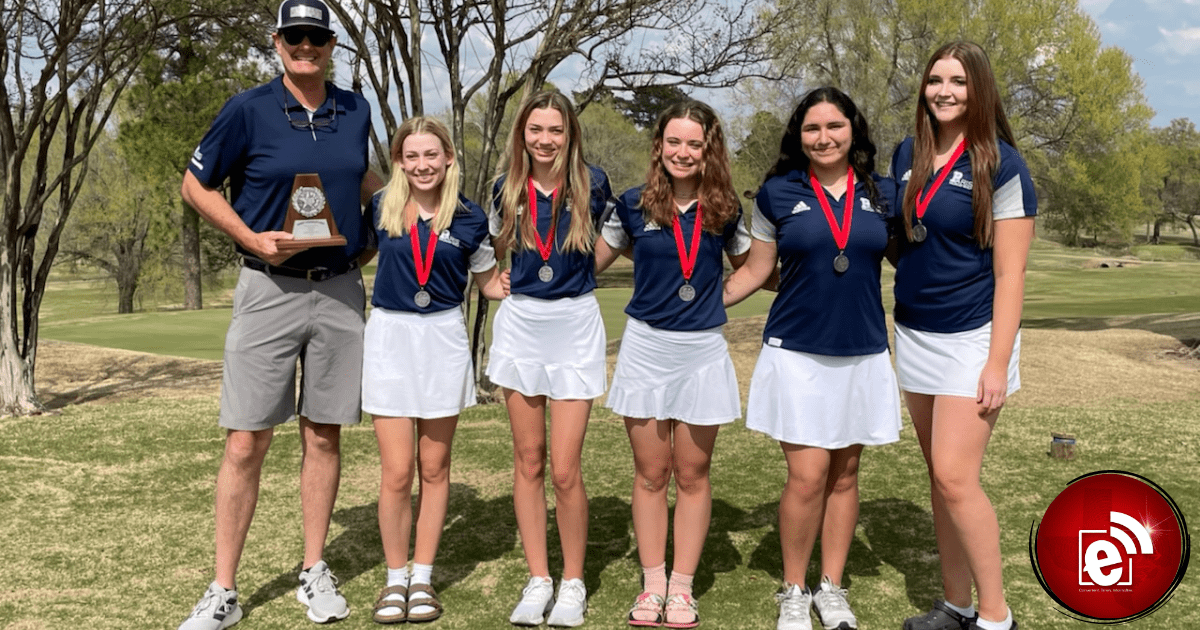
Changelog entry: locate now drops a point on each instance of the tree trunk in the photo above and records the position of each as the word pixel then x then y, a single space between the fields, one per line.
pixel 1191 221
pixel 1156 238
pixel 126 288
pixel 189 240
pixel 17 397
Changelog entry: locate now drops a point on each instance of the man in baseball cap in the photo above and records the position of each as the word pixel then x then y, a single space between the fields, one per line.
pixel 303 13
pixel 296 304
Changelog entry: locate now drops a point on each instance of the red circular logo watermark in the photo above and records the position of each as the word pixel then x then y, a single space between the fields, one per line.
pixel 1112 547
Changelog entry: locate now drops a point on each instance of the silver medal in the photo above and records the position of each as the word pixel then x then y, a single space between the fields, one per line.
pixel 545 274
pixel 919 233
pixel 422 298
pixel 841 263
pixel 687 293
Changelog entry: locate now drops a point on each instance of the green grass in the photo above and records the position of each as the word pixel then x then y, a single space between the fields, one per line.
pixel 121 494
pixel 108 507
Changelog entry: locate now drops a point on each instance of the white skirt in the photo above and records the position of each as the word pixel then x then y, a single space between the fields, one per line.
pixel 551 348
pixel 416 365
pixel 670 374
pixel 824 401
pixel 949 364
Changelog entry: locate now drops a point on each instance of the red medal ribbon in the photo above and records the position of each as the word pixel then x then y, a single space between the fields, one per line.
pixel 424 264
pixel 922 204
pixel 544 247
pixel 687 259
pixel 841 234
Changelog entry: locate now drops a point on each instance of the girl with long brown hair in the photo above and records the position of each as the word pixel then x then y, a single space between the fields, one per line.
pixel 968 208
pixel 674 382
pixel 549 342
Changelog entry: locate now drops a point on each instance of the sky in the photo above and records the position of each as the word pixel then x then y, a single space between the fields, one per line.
pixel 1163 38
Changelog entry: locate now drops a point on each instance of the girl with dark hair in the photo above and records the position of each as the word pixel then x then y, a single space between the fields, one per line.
pixel 429 239
pixel 548 338
pixel 674 380
pixel 968 208
pixel 823 386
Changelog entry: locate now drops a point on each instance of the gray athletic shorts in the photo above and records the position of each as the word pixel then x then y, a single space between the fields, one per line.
pixel 278 320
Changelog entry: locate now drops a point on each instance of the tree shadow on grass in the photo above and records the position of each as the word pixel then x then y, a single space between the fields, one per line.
pixel 1183 326
pixel 477 531
pixel 69 374
pixel 901 535
pixel 720 554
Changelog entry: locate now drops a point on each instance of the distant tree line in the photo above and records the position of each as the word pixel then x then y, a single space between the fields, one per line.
pixel 107 98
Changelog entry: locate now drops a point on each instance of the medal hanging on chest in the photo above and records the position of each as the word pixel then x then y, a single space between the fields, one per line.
pixel 841 233
pixel 423 264
pixel 919 232
pixel 687 256
pixel 546 272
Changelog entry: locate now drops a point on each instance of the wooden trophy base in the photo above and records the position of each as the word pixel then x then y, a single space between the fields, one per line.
pixel 298 244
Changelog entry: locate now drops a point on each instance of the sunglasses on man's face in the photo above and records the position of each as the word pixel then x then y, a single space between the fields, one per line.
pixel 295 35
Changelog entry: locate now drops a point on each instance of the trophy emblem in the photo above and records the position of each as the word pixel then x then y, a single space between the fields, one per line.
pixel 309 219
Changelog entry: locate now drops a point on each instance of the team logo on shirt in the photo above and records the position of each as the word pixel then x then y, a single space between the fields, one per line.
pixel 651 226
pixel 866 206
pixel 450 240
pixel 958 181
pixel 198 158
pixel 907 174
pixel 801 207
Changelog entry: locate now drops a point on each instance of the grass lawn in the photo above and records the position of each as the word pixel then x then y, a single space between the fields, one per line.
pixel 109 504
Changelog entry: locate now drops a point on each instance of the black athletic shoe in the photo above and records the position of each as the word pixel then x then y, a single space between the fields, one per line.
pixel 942 617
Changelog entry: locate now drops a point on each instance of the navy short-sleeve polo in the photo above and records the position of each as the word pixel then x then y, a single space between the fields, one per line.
pixel 657 275
pixel 819 310
pixel 945 283
pixel 574 271
pixel 254 144
pixel 457 252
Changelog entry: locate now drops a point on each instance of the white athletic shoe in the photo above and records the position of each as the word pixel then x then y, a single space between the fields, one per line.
pixel 794 602
pixel 536 600
pixel 318 591
pixel 218 609
pixel 570 605
pixel 832 608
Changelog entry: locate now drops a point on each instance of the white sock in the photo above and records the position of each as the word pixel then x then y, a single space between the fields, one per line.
pixel 422 573
pixel 397 577
pixel 967 612
pixel 984 624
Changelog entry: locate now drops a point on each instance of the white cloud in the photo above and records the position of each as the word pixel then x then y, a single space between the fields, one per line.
pixel 1182 42
pixel 1094 7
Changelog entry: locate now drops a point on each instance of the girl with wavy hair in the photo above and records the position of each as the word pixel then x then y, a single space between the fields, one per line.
pixel 429 238
pixel 674 381
pixel 968 208
pixel 548 338
pixel 823 386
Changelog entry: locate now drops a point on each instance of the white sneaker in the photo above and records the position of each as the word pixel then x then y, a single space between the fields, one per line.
pixel 536 600
pixel 572 603
pixel 218 609
pixel 318 591
pixel 832 608
pixel 793 608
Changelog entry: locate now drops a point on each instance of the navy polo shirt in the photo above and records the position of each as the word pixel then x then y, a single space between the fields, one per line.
pixel 463 247
pixel 574 271
pixel 657 274
pixel 818 310
pixel 945 283
pixel 253 143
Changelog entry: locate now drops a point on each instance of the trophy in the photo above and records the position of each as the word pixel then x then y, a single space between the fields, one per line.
pixel 309 219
